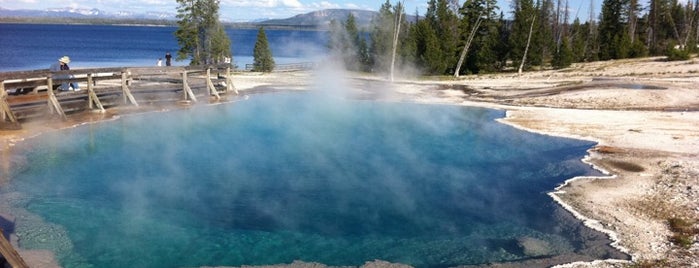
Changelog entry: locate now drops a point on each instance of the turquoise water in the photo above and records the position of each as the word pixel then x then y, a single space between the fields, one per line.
pixel 296 176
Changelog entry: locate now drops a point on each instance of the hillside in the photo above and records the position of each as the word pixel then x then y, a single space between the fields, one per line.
pixel 313 20
pixel 322 18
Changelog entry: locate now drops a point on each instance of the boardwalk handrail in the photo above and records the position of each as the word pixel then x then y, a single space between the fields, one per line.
pixel 287 66
pixel 30 93
pixel 10 254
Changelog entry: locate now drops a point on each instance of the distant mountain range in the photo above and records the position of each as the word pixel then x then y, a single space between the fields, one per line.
pixel 77 13
pixel 322 18
pixel 316 19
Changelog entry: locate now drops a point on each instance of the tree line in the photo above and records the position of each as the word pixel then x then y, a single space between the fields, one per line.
pixel 202 38
pixel 474 37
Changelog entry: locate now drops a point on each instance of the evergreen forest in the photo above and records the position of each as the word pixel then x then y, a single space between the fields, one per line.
pixel 474 37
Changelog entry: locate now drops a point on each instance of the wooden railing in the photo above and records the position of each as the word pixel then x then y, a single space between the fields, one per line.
pixel 27 94
pixel 287 67
pixel 11 256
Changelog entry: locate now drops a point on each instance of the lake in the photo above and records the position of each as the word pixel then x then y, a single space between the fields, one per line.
pixel 36 46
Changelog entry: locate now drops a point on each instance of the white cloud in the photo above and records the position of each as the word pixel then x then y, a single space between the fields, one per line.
pixel 324 5
pixel 17 2
pixel 263 3
pixel 292 3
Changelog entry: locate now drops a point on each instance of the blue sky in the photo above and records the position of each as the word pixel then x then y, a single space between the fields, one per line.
pixel 245 10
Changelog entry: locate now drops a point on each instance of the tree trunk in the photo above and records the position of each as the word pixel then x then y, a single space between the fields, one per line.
pixel 529 39
pixel 632 20
pixel 468 44
pixel 395 38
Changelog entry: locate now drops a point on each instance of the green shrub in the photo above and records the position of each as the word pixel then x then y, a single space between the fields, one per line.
pixel 648 264
pixel 682 240
pixel 683 232
pixel 676 54
pixel 679 225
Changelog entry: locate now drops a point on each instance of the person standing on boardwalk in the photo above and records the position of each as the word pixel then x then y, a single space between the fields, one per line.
pixel 168 59
pixel 160 62
pixel 62 65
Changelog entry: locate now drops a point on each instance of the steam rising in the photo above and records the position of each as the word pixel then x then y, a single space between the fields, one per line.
pixel 310 176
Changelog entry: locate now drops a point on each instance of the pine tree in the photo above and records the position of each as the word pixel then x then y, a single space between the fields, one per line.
pixel 614 40
pixel 660 28
pixel 502 48
pixel 381 38
pixel 444 23
pixel 408 44
pixel 337 38
pixel 564 56
pixel 220 46
pixel 481 51
pixel 349 45
pixel 684 18
pixel 524 15
pixel 489 41
pixel 543 41
pixel 428 52
pixel 578 35
pixel 262 54
pixel 200 34
pixel 591 36
pixel 693 29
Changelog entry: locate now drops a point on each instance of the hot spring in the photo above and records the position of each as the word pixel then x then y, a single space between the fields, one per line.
pixel 301 176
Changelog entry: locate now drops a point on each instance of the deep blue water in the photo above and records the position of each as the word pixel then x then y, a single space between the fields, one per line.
pixel 36 46
pixel 296 176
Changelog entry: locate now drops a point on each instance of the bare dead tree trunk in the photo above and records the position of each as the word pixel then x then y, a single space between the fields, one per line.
pixel 688 24
pixel 696 11
pixel 557 25
pixel 464 52
pixel 529 39
pixel 396 33
pixel 674 26
pixel 566 18
pixel 633 21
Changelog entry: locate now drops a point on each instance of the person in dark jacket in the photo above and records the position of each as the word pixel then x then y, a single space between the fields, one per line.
pixel 62 65
pixel 168 59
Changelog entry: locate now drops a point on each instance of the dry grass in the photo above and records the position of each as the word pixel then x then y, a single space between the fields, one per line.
pixel 683 232
pixel 649 264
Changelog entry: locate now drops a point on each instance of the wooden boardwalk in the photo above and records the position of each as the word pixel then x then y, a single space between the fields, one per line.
pixel 303 66
pixel 29 94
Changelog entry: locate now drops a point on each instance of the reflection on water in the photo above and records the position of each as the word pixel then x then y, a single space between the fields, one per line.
pixel 303 177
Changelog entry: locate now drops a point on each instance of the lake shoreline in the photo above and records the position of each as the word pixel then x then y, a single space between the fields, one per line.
pixel 558 103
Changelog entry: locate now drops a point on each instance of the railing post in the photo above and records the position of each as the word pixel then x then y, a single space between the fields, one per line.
pixel 89 90
pixel 210 85
pixel 54 104
pixel 185 87
pixel 10 254
pixel 229 81
pixel 125 89
pixel 5 109
pixel 92 96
